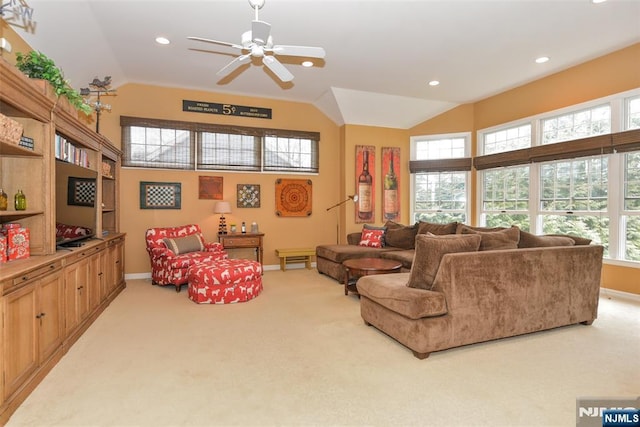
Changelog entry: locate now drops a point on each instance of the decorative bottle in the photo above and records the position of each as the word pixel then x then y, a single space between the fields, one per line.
pixel 391 191
pixel 365 181
pixel 243 227
pixel 3 200
pixel 20 201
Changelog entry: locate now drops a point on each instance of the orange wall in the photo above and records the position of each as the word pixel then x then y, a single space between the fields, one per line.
pixel 610 74
pixel 166 103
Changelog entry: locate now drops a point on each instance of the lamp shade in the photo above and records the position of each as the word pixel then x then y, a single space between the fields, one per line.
pixel 222 208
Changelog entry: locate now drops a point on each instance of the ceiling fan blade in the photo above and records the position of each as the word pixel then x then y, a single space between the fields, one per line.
pixel 277 68
pixel 200 39
pixel 260 31
pixel 228 69
pixel 307 51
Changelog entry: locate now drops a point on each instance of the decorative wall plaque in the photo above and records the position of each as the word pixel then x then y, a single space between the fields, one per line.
pixel 210 187
pixel 81 191
pixel 248 196
pixel 293 197
pixel 160 195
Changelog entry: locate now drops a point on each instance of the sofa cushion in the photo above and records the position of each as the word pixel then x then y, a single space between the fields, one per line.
pixel 435 228
pixel 529 240
pixel 183 245
pixel 496 240
pixel 577 240
pixel 400 236
pixel 429 251
pixel 372 238
pixel 390 291
pixel 341 253
pixel 461 226
pixel 405 256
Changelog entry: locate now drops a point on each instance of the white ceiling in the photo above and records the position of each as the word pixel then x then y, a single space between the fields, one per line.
pixel 380 53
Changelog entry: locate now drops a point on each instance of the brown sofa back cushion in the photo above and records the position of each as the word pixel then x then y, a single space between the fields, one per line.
pixel 529 240
pixel 495 240
pixel 429 251
pixel 400 236
pixel 425 227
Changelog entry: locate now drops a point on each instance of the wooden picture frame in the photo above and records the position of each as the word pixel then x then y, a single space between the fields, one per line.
pixel 81 191
pixel 160 195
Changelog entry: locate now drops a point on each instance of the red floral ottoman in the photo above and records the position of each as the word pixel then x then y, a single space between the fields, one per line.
pixel 226 281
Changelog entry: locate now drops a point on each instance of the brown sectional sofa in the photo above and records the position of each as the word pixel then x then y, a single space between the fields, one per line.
pixel 486 295
pixel 510 283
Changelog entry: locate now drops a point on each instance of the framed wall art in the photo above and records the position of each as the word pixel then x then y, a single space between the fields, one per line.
pixel 248 196
pixel 293 197
pixel 210 187
pixel 365 183
pixel 160 195
pixel 81 191
pixel 390 184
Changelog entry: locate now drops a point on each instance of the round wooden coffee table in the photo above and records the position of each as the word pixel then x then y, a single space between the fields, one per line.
pixel 358 267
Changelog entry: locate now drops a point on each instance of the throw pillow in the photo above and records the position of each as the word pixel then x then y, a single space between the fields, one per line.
pixel 429 252
pixel 529 240
pixel 400 236
pixel 496 240
pixel 435 228
pixel 183 245
pixel 64 231
pixel 371 238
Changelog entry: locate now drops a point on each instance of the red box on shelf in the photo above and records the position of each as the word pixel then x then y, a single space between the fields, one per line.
pixel 17 243
pixel 3 248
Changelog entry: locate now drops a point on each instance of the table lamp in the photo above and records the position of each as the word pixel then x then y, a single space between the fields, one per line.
pixel 222 208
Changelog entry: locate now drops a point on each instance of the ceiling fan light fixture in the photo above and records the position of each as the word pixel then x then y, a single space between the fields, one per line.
pixel 256 4
pixel 307 64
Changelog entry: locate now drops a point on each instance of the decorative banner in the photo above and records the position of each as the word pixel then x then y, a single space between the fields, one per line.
pixel 293 197
pixel 365 183
pixel 210 187
pixel 391 184
pixel 160 195
pixel 226 109
pixel 248 196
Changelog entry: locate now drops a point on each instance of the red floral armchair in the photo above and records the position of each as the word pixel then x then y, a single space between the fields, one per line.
pixel 173 250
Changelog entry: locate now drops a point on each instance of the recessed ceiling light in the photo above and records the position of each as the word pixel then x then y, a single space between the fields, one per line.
pixel 542 59
pixel 598 1
pixel 307 64
pixel 162 40
pixel 434 83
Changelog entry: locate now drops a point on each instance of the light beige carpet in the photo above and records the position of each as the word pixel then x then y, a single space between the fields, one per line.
pixel 300 354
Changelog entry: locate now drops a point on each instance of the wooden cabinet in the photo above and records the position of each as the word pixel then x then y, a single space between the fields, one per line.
pixel 243 240
pixel 32 330
pixel 76 294
pixel 48 300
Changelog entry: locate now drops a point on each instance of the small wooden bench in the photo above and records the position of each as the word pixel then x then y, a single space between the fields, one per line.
pixel 295 254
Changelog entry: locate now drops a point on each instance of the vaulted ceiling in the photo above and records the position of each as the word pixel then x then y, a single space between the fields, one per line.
pixel 380 54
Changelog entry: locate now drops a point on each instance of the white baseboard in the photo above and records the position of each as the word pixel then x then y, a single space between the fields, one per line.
pixel 272 267
pixel 606 292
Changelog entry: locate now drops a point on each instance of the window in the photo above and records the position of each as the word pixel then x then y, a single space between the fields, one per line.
pixel 633 113
pixel 169 144
pixel 631 207
pixel 577 124
pixel 439 193
pixel 505 197
pixel 574 198
pixel 508 139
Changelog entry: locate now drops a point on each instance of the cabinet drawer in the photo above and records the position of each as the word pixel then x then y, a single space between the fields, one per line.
pixel 33 274
pixel 248 242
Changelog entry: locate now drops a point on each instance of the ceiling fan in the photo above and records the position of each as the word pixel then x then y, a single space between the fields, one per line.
pixel 258 43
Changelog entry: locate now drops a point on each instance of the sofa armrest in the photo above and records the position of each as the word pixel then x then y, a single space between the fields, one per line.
pixel 213 247
pixel 354 238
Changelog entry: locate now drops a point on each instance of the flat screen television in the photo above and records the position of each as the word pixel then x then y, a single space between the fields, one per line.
pixel 76 210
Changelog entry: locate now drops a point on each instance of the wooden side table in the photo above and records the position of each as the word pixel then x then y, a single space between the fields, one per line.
pixel 358 267
pixel 243 240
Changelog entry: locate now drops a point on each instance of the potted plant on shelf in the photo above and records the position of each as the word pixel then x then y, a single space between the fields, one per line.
pixel 37 65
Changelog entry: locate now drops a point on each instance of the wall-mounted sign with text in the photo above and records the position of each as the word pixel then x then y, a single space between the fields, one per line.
pixel 226 109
